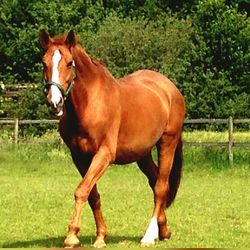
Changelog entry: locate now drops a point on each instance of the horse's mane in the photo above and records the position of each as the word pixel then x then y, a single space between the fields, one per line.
pixel 97 62
pixel 80 50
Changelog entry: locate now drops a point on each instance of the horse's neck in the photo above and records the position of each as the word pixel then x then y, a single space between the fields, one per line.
pixel 93 82
pixel 86 70
pixel 89 71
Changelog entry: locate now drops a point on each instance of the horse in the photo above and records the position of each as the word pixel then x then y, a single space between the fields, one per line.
pixel 104 120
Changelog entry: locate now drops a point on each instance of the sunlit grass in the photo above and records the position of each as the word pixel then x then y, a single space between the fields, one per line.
pixel 212 136
pixel 210 210
pixel 37 183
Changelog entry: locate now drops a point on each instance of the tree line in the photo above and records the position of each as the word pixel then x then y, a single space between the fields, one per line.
pixel 203 46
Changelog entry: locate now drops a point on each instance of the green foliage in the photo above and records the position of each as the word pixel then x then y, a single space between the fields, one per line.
pixel 28 109
pixel 219 74
pixel 203 46
pixel 127 45
pixel 21 22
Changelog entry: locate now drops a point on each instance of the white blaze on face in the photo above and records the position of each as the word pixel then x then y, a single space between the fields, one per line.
pixel 55 92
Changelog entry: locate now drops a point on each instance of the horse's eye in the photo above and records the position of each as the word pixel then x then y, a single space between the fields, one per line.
pixel 70 64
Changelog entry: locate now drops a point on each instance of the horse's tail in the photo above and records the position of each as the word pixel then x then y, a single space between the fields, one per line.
pixel 175 174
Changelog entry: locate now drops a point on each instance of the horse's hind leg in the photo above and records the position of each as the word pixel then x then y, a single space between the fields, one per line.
pixel 166 151
pixel 148 167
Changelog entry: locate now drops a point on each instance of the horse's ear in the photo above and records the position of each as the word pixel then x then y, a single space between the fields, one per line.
pixel 44 39
pixel 71 39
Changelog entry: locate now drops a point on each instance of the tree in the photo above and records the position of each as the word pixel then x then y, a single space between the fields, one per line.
pixel 203 46
pixel 219 63
pixel 127 45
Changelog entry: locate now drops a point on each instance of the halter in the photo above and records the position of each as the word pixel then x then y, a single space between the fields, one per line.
pixel 59 86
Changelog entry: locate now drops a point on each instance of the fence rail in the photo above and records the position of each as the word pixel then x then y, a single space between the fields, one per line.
pixel 230 122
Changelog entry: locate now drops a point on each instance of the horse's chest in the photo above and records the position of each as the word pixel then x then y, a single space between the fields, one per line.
pixel 76 137
pixel 85 144
pixel 79 141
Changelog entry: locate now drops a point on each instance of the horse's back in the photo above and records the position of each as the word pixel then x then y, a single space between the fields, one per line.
pixel 159 85
pixel 150 78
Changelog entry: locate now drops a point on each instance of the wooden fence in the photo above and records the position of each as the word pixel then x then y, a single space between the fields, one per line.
pixel 230 122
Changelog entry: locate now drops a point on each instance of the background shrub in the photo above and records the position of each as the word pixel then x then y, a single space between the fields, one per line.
pixel 203 46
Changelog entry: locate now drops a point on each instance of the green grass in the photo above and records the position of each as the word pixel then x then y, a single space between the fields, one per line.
pixel 213 136
pixel 37 184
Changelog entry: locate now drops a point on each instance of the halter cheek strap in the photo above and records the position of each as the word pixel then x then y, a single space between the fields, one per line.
pixel 65 94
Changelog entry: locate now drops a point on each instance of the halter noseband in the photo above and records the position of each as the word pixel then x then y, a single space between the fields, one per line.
pixel 59 86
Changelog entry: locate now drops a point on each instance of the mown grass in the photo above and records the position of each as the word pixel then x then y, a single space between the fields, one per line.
pixel 37 182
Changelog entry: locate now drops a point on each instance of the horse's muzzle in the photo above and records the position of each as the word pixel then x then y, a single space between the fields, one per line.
pixel 56 110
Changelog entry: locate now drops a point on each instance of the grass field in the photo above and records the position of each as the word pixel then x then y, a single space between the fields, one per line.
pixel 37 184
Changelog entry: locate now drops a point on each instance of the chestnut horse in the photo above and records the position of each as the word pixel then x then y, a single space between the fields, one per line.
pixel 104 120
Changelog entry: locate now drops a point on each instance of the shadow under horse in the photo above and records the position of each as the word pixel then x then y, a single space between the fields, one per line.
pixel 104 120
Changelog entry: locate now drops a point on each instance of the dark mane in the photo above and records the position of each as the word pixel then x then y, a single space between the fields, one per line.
pixel 85 57
pixel 97 62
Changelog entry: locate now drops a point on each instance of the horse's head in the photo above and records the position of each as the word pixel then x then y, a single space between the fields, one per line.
pixel 59 71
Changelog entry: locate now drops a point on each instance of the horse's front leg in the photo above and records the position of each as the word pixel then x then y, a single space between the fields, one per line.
pixel 101 229
pixel 97 167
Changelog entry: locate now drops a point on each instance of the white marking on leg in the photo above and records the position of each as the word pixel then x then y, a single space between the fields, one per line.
pixel 151 233
pixel 55 92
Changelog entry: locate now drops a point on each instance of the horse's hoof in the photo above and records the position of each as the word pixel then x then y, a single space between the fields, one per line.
pixel 99 243
pixel 147 243
pixel 166 235
pixel 71 241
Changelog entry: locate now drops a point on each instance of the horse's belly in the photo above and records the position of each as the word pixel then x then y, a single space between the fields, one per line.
pixel 127 155
pixel 143 121
pixel 136 146
pixel 133 143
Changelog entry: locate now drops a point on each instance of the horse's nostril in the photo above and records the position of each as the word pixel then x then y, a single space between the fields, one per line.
pixel 55 108
pixel 61 101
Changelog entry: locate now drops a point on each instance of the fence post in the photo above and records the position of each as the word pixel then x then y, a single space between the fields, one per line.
pixel 16 128
pixel 230 140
